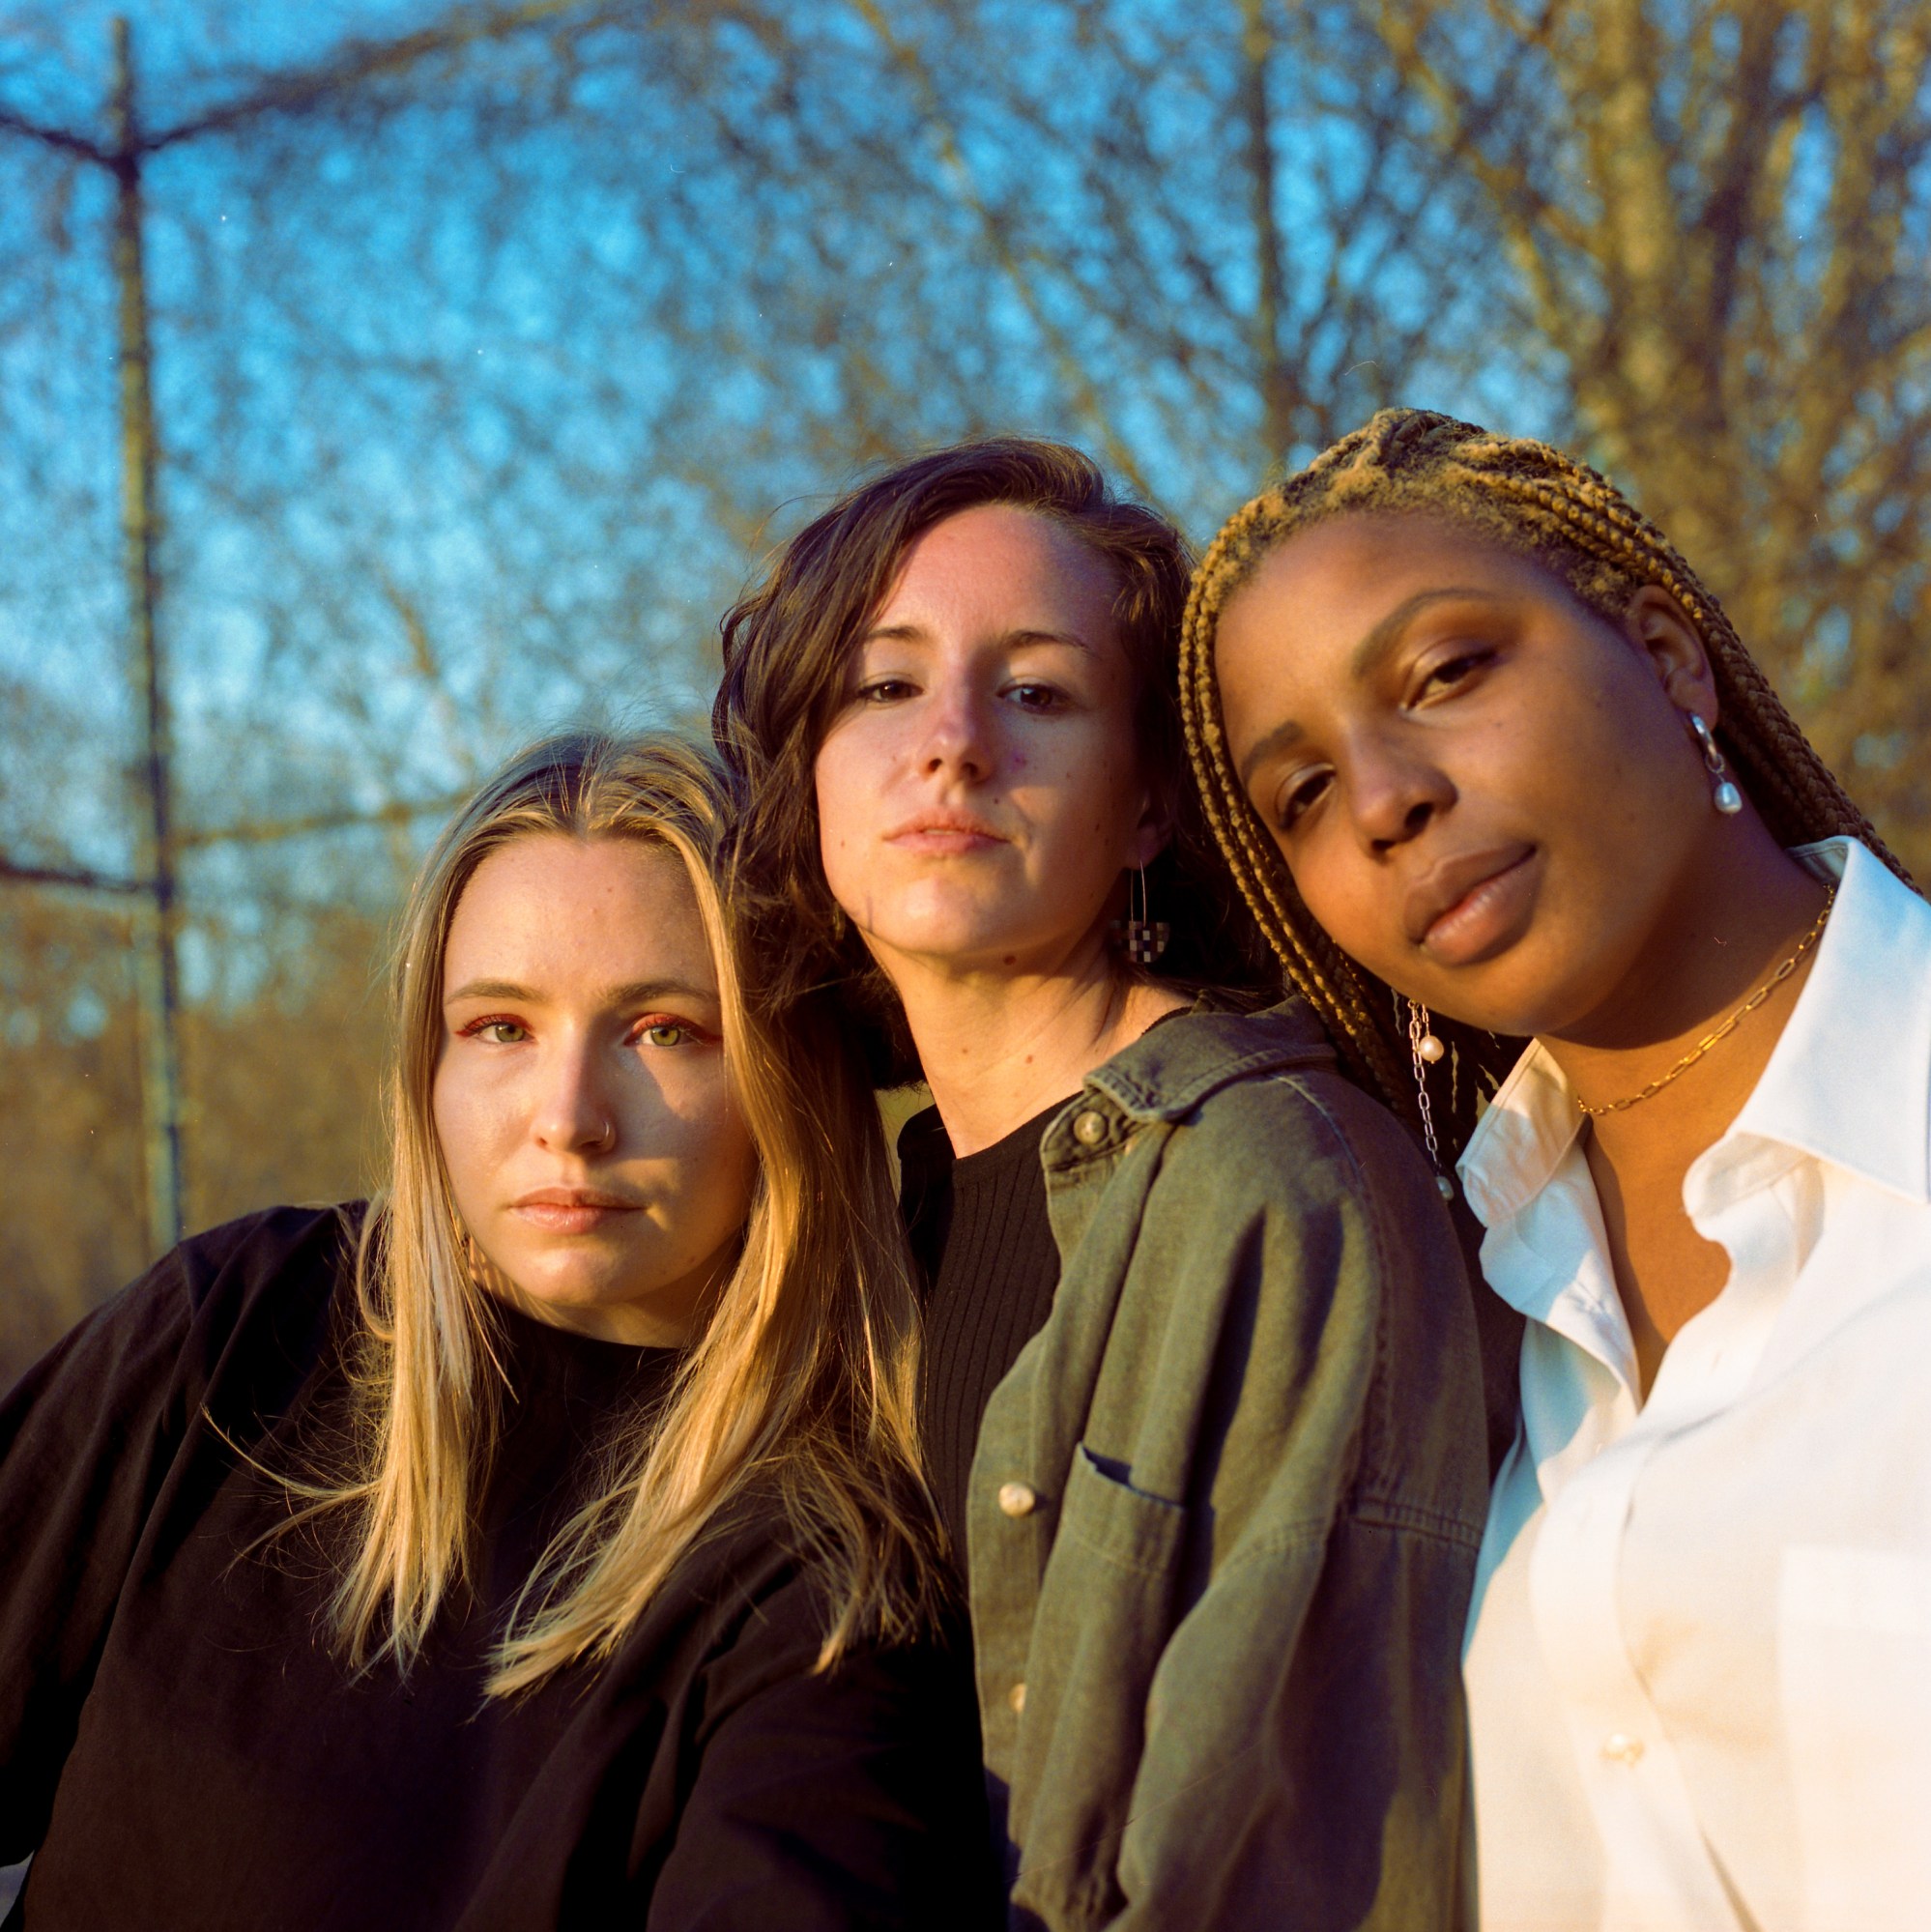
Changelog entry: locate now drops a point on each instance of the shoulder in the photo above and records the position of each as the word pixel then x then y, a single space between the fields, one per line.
pixel 1296 1176
pixel 1243 1114
pixel 1260 1108
pixel 234 1319
pixel 234 1264
pixel 256 1291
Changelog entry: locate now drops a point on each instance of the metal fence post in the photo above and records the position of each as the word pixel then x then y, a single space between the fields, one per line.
pixel 155 963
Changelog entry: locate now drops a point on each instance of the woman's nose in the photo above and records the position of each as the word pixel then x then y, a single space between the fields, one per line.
pixel 955 737
pixel 576 1112
pixel 1393 796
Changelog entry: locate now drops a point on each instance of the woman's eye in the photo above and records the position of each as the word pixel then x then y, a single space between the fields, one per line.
pixel 886 690
pixel 498 1033
pixel 667 1033
pixel 1296 801
pixel 1452 672
pixel 1035 696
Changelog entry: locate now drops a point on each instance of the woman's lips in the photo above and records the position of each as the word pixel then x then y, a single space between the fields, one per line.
pixel 557 1212
pixel 944 834
pixel 1492 895
pixel 945 844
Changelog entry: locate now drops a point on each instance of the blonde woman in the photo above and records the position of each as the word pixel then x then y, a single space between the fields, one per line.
pixel 542 1545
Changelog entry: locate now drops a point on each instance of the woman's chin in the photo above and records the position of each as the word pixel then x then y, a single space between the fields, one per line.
pixel 569 1284
pixel 1550 1006
pixel 957 944
pixel 977 938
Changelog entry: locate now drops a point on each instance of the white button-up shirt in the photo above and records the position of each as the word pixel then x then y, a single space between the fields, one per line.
pixel 1699 1655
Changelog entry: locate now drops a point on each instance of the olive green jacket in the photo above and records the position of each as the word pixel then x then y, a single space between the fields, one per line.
pixel 1226 1507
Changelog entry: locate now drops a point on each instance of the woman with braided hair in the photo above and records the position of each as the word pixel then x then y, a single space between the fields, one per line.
pixel 1513 805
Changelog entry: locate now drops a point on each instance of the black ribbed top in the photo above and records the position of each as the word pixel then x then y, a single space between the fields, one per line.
pixel 984 1244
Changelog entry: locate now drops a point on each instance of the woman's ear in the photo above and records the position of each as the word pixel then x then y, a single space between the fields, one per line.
pixel 1154 830
pixel 1656 623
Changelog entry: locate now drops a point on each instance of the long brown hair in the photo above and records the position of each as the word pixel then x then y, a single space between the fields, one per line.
pixel 800 1382
pixel 1530 499
pixel 786 648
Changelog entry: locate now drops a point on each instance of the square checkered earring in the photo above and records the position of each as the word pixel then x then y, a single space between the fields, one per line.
pixel 1144 939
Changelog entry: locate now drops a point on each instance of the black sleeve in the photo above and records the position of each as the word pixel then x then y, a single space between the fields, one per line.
pixel 85 1437
pixel 828 1803
pixel 90 1435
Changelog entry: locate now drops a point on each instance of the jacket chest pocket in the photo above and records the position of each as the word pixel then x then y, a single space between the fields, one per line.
pixel 1123 1527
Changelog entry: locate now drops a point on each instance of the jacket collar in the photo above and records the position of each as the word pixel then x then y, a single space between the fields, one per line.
pixel 1849 1080
pixel 1173 1066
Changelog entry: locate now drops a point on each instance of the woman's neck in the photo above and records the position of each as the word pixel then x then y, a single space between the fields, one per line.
pixel 1732 933
pixel 1725 930
pixel 1000 1046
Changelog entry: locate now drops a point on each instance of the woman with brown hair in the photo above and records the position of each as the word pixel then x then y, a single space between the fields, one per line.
pixel 1200 1392
pixel 1514 805
pixel 543 1545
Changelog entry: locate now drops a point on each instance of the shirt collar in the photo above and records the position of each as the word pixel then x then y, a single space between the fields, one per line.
pixel 1520 1140
pixel 1849 1080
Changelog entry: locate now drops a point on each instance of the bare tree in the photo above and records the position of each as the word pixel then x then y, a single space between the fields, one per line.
pixel 1718 218
pixel 489 354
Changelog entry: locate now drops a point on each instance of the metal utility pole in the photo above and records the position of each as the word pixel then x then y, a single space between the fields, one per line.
pixel 154 964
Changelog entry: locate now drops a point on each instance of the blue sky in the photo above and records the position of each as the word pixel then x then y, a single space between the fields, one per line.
pixel 479 396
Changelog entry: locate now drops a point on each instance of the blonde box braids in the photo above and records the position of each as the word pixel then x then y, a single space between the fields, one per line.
pixel 1533 500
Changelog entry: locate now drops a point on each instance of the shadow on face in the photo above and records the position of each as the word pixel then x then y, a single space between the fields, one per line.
pixel 1485 791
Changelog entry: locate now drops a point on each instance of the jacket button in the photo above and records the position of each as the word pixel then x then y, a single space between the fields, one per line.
pixel 1619 1747
pixel 1089 1129
pixel 1016 1697
pixel 1018 1499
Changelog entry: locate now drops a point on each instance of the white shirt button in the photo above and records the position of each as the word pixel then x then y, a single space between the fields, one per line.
pixel 1018 1499
pixel 1089 1129
pixel 1016 1697
pixel 1619 1747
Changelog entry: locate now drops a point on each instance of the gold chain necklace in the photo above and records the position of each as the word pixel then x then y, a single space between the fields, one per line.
pixel 1729 1026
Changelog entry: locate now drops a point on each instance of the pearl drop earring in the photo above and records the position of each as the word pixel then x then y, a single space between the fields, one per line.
pixel 1723 794
pixel 1425 1050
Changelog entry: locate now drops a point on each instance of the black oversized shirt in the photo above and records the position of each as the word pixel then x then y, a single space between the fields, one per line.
pixel 180 1745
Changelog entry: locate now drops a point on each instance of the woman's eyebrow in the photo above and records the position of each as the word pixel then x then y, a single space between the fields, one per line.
pixel 647 992
pixel 1283 734
pixel 494 989
pixel 631 992
pixel 1032 635
pixel 914 633
pixel 1370 653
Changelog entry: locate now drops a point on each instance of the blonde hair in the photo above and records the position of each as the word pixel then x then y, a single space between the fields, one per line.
pixel 800 1384
pixel 1533 500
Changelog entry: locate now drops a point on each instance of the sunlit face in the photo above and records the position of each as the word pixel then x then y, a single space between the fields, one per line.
pixel 979 793
pixel 591 1137
pixel 1484 792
